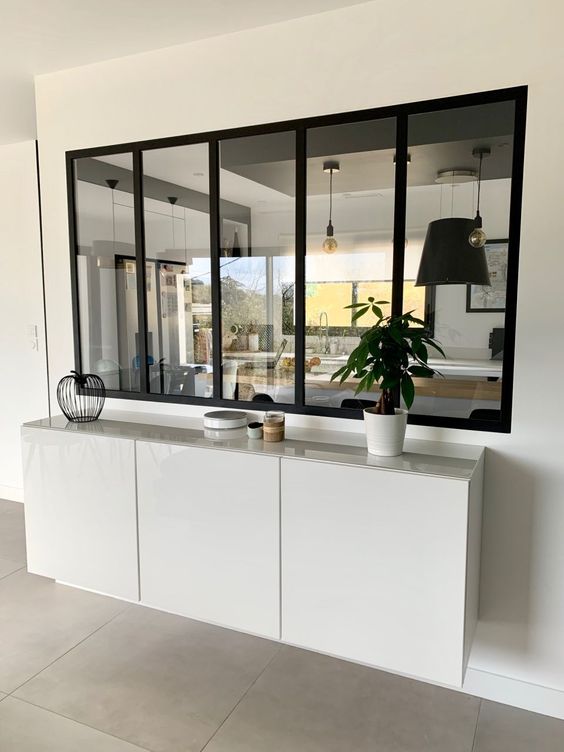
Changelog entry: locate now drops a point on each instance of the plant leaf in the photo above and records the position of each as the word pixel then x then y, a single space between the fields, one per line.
pixel 374 348
pixel 366 383
pixel 352 357
pixel 415 320
pixel 377 369
pixel 359 313
pixel 395 335
pixel 422 371
pixel 338 373
pixel 407 390
pixel 421 351
pixel 436 346
pixel 389 382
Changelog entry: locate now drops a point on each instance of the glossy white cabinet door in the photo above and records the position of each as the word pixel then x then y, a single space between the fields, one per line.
pixel 374 567
pixel 80 510
pixel 209 535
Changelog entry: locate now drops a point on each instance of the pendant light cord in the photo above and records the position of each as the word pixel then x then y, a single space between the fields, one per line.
pixel 479 183
pixel 113 222
pixel 185 242
pixel 330 194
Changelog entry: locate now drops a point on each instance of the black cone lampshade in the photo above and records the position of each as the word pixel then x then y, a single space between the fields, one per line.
pixel 448 258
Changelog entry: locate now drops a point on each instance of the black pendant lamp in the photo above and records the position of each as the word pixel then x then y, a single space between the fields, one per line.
pixel 451 253
pixel 448 258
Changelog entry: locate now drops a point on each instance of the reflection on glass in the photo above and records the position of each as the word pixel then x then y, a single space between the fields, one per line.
pixel 468 320
pixel 105 264
pixel 257 225
pixel 177 247
pixel 350 198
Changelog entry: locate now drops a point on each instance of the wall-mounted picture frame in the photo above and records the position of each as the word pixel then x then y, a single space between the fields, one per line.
pixel 491 298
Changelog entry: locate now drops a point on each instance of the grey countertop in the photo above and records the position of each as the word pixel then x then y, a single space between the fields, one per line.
pixel 434 458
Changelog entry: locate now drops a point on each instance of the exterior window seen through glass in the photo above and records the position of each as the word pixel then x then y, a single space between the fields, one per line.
pixel 257 266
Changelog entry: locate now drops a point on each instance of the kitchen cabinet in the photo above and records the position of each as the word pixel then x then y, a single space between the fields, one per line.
pixel 80 509
pixel 375 566
pixel 209 535
pixel 308 541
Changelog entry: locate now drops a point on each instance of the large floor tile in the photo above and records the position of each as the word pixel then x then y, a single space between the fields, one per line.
pixel 502 728
pixel 12 536
pixel 154 679
pixel 26 728
pixel 40 620
pixel 8 566
pixel 306 702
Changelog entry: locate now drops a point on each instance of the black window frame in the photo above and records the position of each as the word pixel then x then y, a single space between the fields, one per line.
pixel 401 112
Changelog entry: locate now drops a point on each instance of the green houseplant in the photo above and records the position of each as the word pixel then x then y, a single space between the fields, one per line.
pixel 390 354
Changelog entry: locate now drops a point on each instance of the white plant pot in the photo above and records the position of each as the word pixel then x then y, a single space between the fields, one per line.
pixel 385 434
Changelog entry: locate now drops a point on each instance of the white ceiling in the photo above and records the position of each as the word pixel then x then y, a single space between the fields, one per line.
pixel 42 36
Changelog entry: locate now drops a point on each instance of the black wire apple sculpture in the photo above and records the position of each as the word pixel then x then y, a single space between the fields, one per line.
pixel 81 396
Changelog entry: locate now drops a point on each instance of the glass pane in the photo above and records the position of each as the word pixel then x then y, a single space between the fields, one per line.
pixel 177 247
pixel 467 319
pixel 106 277
pixel 257 267
pixel 350 200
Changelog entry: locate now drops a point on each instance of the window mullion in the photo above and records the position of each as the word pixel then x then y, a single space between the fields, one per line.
pixel 299 285
pixel 400 197
pixel 71 197
pixel 141 270
pixel 215 269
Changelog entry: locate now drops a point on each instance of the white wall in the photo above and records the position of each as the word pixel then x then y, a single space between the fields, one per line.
pixel 383 54
pixel 23 373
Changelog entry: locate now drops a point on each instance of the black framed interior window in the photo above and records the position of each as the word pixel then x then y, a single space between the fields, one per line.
pixel 217 268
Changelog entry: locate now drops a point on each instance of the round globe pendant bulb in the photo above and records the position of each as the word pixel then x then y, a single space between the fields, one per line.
pixel 330 245
pixel 477 238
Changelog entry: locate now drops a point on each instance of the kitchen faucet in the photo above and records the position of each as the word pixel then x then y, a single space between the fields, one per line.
pixel 324 333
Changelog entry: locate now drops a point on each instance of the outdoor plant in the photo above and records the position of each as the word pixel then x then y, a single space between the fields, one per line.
pixel 390 353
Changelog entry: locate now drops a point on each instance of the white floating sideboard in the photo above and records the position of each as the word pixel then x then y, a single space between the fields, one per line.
pixel 312 542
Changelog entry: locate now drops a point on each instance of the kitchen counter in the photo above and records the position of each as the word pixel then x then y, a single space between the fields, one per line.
pixel 421 457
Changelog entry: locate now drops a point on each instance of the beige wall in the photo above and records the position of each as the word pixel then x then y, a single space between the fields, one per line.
pixel 365 56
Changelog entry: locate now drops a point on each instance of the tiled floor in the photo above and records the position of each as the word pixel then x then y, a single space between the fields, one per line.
pixel 81 672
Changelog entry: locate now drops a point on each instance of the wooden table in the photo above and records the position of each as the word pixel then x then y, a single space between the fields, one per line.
pixel 462 378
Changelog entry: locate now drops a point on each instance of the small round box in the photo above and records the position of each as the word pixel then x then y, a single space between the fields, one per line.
pixel 222 419
pixel 254 430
